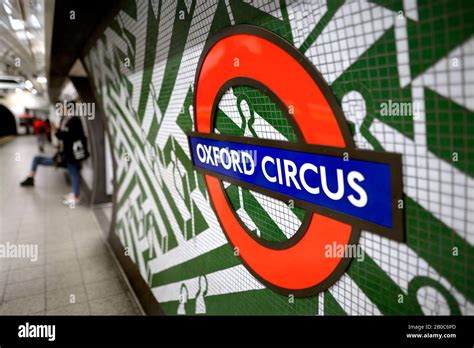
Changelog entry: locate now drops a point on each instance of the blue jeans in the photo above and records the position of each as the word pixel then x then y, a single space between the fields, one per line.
pixel 74 173
pixel 41 160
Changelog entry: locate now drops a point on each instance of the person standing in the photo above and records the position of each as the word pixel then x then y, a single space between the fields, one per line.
pixel 39 129
pixel 74 150
pixel 26 121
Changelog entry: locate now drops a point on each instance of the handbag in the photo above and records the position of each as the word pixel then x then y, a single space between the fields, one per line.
pixel 79 149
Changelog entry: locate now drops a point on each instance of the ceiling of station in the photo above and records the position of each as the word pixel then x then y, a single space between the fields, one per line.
pixel 25 30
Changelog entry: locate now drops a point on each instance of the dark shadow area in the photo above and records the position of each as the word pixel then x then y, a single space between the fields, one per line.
pixel 7 122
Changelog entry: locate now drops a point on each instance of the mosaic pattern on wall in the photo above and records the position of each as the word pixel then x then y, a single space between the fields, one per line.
pixel 403 72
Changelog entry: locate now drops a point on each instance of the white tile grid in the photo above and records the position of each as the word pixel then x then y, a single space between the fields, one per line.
pixel 411 180
pixel 286 219
pixel 356 25
pixel 416 163
pixel 268 6
pixel 302 15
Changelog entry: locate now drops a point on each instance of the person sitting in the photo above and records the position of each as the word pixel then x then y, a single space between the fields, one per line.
pixel 69 134
pixel 37 161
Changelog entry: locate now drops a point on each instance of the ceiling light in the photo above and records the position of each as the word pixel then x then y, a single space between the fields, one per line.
pixel 42 79
pixel 18 90
pixel 28 84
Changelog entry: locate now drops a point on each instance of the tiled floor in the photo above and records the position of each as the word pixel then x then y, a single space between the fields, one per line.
pixel 75 272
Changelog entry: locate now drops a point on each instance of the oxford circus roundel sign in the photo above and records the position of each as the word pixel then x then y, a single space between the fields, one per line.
pixel 343 189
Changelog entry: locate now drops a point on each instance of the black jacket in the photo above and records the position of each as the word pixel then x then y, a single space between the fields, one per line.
pixel 69 133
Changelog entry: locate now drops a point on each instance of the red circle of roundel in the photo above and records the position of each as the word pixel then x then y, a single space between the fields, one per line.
pixel 302 266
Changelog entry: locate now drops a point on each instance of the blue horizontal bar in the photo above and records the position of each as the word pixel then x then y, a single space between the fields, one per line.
pixel 357 188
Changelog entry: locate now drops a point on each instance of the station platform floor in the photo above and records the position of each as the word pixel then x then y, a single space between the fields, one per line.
pixel 74 272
